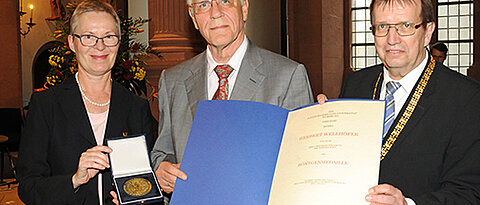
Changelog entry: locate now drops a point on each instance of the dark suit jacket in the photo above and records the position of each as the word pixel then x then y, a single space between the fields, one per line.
pixel 435 158
pixel 58 130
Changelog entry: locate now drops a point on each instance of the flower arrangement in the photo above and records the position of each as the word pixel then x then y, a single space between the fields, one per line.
pixel 129 68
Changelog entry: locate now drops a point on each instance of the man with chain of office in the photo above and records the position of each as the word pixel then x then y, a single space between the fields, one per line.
pixel 431 139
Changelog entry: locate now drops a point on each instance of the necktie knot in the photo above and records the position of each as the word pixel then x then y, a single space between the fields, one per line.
pixel 392 86
pixel 223 71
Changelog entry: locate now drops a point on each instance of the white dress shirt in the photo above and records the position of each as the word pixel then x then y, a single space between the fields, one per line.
pixel 408 82
pixel 235 62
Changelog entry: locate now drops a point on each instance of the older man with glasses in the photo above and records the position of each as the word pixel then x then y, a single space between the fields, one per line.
pixel 431 140
pixel 231 68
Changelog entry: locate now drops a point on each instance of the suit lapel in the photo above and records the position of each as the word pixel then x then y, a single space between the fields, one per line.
pixel 249 76
pixel 116 114
pixel 71 103
pixel 422 107
pixel 196 83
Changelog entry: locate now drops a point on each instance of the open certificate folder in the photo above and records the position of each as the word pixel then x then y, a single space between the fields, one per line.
pixel 243 152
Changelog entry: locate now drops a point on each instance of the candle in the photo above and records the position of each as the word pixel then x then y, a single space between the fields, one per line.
pixel 31 12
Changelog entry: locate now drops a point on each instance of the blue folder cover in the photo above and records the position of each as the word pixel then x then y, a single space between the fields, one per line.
pixel 231 153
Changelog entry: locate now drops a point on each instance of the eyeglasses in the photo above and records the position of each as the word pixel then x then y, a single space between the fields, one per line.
pixel 403 29
pixel 91 40
pixel 205 6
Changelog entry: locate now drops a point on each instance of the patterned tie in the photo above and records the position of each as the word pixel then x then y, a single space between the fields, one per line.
pixel 223 71
pixel 390 111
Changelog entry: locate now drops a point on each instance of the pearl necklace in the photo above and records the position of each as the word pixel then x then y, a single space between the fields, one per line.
pixel 85 96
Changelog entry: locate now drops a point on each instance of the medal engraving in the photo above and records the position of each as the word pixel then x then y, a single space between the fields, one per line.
pixel 137 187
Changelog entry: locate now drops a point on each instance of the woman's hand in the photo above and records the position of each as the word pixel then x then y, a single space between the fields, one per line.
pixel 91 162
pixel 115 198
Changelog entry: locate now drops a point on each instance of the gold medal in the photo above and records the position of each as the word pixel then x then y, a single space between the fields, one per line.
pixel 137 187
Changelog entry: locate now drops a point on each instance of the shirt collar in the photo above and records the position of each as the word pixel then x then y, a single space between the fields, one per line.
pixel 409 80
pixel 235 61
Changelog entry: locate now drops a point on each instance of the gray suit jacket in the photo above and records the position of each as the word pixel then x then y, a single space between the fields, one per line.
pixel 263 77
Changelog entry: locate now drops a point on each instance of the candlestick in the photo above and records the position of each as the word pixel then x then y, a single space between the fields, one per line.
pixel 31 12
pixel 29 24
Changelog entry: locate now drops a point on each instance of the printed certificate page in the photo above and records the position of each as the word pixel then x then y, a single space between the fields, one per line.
pixel 330 154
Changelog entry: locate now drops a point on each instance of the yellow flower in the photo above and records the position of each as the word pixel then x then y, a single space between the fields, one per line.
pixel 52 63
pixel 140 74
pixel 73 69
pixel 49 80
pixel 52 79
pixel 52 60
pixel 133 69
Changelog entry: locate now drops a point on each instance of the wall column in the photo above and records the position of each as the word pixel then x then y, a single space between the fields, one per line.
pixel 171 33
pixel 316 39
pixel 11 77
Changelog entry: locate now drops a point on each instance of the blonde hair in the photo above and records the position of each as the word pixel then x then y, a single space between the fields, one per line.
pixel 93 6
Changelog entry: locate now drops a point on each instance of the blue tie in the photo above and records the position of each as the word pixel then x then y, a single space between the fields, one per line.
pixel 390 101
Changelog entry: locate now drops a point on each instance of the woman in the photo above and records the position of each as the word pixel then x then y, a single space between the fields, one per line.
pixel 62 158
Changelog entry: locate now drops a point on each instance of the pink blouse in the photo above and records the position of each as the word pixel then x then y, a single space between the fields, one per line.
pixel 99 122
